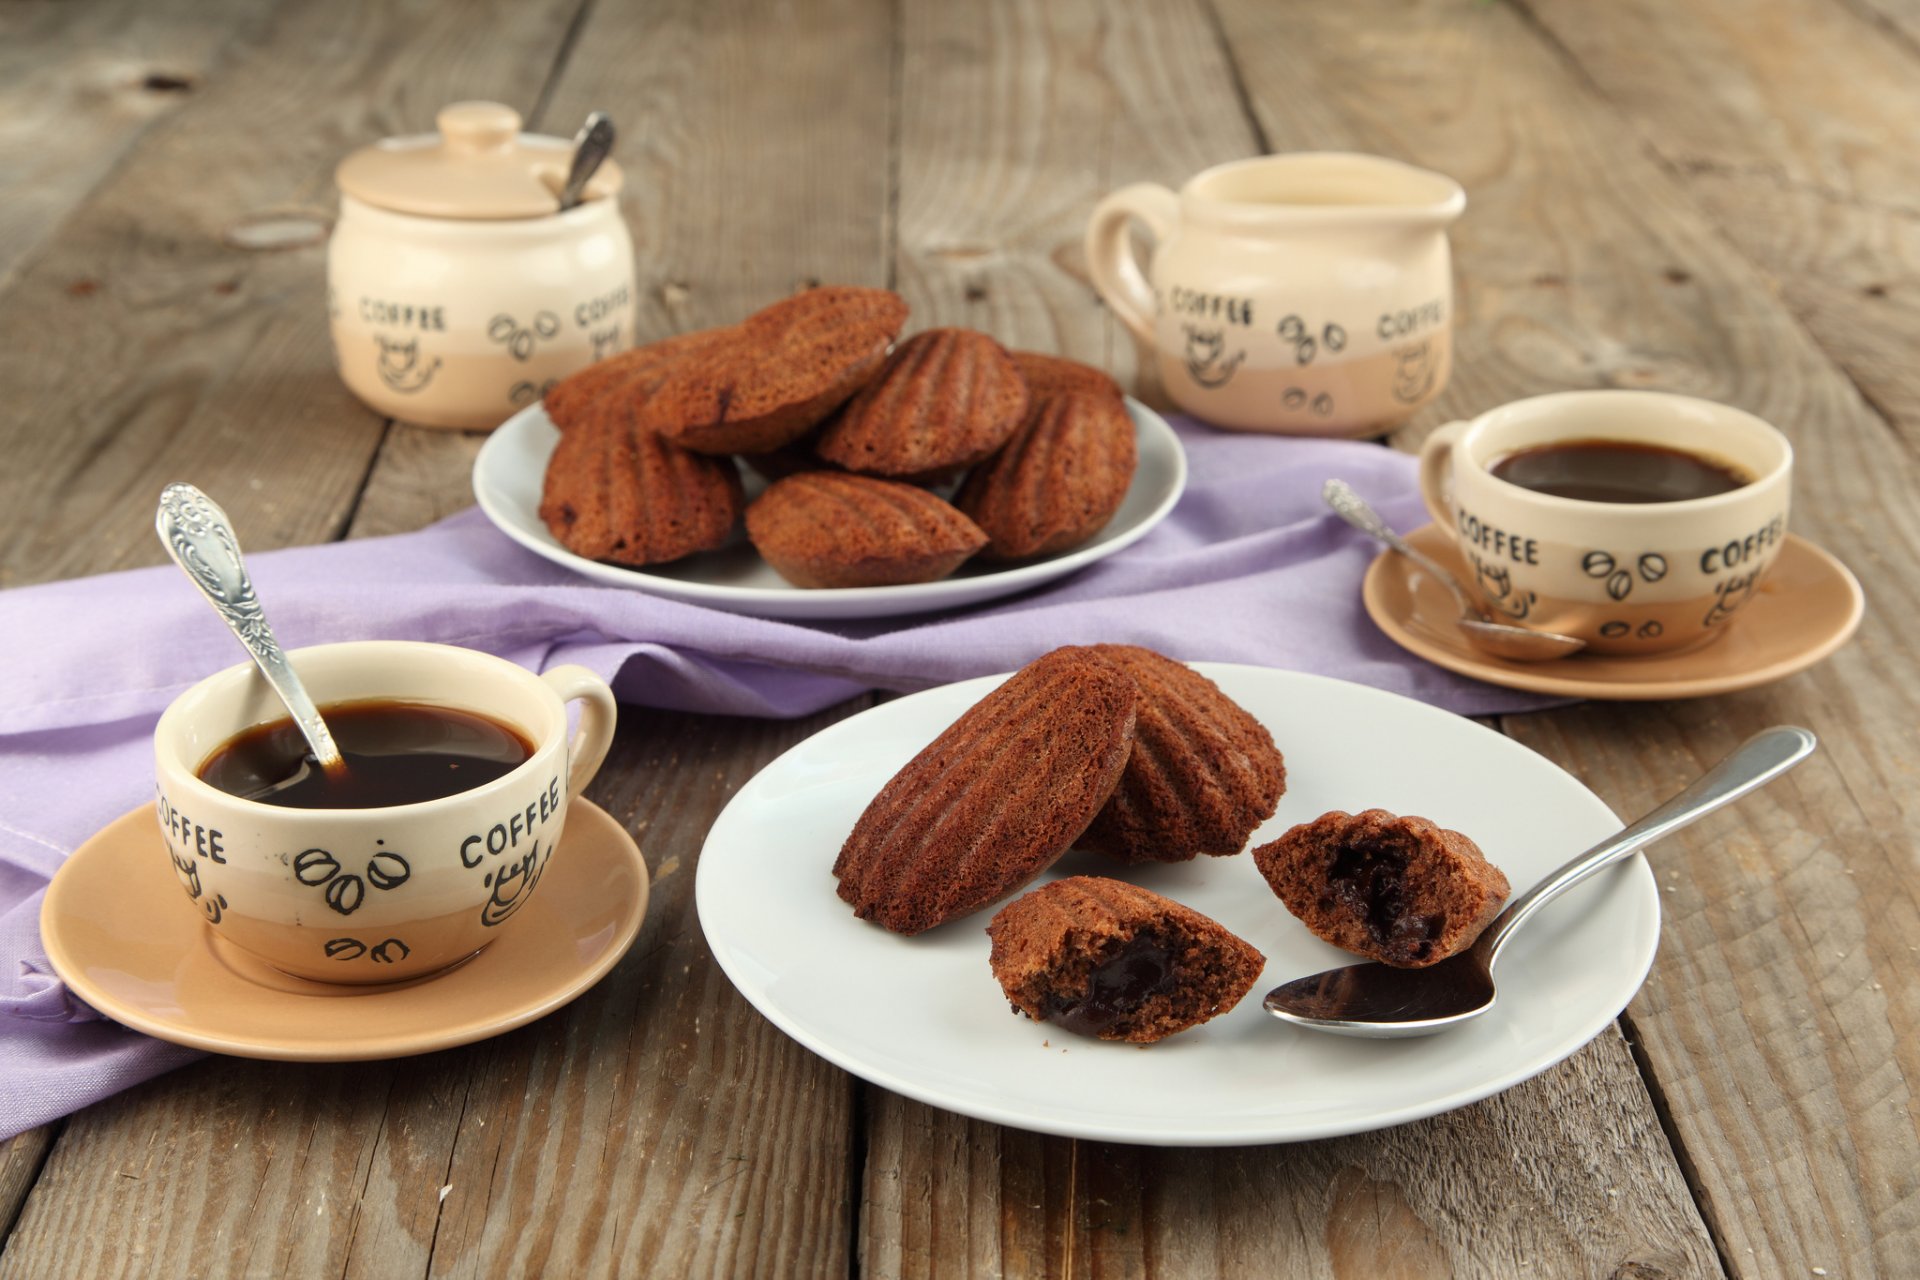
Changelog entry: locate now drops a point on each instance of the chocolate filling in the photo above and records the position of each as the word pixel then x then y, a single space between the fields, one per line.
pixel 1139 970
pixel 1369 879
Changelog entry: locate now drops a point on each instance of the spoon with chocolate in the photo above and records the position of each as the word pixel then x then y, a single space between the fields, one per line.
pixel 200 538
pixel 1379 1001
pixel 1502 640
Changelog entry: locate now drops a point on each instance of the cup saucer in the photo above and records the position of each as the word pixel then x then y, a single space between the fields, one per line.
pixel 162 971
pixel 1806 607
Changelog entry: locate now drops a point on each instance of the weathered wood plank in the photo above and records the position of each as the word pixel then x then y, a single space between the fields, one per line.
pixel 137 348
pixel 80 83
pixel 20 1159
pixel 1548 1179
pixel 1015 120
pixel 1793 127
pixel 1777 1024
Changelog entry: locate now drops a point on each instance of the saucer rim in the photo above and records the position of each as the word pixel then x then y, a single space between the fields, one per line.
pixel 429 1038
pixel 1543 677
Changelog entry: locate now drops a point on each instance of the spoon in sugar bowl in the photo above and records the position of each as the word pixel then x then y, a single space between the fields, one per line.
pixel 200 538
pixel 1381 1002
pixel 1502 640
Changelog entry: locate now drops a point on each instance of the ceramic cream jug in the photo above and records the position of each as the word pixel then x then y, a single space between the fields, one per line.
pixel 1303 294
pixel 457 291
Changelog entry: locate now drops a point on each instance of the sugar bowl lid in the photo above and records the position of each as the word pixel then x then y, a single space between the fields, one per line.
pixel 479 165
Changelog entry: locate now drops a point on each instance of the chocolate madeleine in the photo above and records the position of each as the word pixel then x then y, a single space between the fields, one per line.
pixel 1047 375
pixel 1203 774
pixel 615 492
pixel 1103 958
pixel 631 373
pixel 995 799
pixel 1398 890
pixel 1058 481
pixel 777 373
pixel 832 529
pixel 945 399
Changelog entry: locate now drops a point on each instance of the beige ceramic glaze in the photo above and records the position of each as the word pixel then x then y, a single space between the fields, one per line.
pixel 375 895
pixel 1305 294
pixel 1628 578
pixel 1807 608
pixel 456 292
pixel 159 971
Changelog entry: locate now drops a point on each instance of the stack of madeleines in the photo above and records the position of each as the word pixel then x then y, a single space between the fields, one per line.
pixel 850 429
pixel 1119 750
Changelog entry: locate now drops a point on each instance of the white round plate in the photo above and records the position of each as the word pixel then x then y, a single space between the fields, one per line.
pixel 924 1017
pixel 508 474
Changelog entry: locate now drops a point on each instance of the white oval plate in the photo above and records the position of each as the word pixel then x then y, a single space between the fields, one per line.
pixel 508 474
pixel 924 1017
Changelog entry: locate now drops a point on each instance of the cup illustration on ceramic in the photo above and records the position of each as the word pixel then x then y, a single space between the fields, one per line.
pixel 1308 294
pixel 1639 521
pixel 390 885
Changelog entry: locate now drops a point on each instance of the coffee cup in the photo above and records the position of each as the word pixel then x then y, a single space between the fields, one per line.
pixel 368 895
pixel 1638 521
pixel 1305 294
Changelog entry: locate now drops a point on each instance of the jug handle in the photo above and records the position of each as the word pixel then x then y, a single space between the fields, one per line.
pixel 1116 272
pixel 1436 475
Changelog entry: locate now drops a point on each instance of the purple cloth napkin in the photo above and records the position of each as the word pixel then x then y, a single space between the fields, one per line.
pixel 1248 568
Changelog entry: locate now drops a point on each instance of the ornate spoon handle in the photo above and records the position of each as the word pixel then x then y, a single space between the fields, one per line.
pixel 200 539
pixel 1352 508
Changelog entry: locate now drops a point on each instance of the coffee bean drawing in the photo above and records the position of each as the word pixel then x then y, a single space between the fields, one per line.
pixel 1293 398
pixel 392 951
pixel 519 341
pixel 315 866
pixel 1650 630
pixel 385 870
pixel 344 894
pixel 524 392
pixel 1615 629
pixel 346 949
pixel 1323 404
pixel 1602 564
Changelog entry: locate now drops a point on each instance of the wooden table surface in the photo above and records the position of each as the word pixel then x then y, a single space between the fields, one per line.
pixel 1715 197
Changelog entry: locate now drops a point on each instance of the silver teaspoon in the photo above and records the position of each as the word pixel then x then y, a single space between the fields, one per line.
pixel 590 148
pixel 201 541
pixel 1382 1002
pixel 1497 638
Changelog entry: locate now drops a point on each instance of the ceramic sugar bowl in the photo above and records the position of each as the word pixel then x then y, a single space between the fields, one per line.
pixel 1303 294
pixel 457 291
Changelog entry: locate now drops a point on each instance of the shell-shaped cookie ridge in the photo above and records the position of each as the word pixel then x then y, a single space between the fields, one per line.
pixel 834 529
pixel 945 399
pixel 995 799
pixel 1203 775
pixel 1058 480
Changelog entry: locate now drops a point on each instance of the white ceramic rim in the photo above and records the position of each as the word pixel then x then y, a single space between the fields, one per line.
pixel 168 738
pixel 826 603
pixel 1470 449
pixel 1441 202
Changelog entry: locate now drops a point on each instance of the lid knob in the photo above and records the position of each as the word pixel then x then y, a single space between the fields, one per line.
pixel 470 127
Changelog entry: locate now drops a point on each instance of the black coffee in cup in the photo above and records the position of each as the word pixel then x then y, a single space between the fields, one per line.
pixel 396 753
pixel 1617 471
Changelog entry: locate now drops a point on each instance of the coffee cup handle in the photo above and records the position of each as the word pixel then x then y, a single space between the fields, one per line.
pixel 1436 475
pixel 598 712
pixel 1117 274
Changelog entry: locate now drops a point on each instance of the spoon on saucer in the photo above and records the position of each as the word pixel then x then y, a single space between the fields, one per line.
pixel 1382 1002
pixel 1500 639
pixel 201 541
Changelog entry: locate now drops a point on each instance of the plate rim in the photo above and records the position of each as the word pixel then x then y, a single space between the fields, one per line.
pixel 1638 965
pixel 1532 679
pixel 830 603
pixel 73 975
